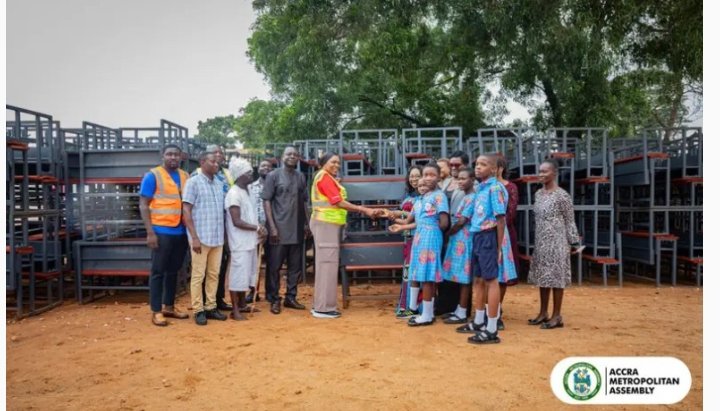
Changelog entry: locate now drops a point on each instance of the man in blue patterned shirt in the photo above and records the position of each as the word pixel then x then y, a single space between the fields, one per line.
pixel 203 215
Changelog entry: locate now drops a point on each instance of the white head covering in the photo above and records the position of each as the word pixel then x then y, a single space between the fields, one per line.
pixel 239 166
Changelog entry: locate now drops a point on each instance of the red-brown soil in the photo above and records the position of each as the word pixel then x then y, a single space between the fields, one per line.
pixel 107 354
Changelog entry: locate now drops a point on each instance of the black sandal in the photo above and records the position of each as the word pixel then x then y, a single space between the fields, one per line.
pixel 470 328
pixel 552 324
pixel 484 337
pixel 454 319
pixel 538 320
pixel 413 323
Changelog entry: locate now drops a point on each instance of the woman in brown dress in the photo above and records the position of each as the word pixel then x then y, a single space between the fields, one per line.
pixel 556 237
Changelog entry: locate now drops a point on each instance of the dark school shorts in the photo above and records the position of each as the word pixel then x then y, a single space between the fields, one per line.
pixel 484 257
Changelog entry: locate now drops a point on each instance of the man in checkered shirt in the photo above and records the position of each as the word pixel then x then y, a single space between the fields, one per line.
pixel 204 217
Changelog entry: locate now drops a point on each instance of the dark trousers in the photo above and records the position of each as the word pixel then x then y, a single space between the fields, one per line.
pixel 167 259
pixel 224 261
pixel 276 256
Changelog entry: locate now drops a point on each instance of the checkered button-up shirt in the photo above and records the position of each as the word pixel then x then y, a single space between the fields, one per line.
pixel 208 198
pixel 490 202
pixel 223 175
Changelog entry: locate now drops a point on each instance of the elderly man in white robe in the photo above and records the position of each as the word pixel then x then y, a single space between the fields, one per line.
pixel 244 234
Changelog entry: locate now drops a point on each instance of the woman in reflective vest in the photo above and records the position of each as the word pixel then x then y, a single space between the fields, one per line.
pixel 329 215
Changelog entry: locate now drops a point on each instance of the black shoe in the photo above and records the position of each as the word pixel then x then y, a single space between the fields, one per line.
pixel 500 324
pixel 200 318
pixel 216 315
pixel 222 305
pixel 275 307
pixel 293 303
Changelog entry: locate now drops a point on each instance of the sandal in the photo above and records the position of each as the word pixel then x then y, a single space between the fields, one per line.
pixel 175 314
pixel 552 324
pixel 537 320
pixel 248 308
pixel 484 337
pixel 454 319
pixel 413 322
pixel 470 328
pixel 159 319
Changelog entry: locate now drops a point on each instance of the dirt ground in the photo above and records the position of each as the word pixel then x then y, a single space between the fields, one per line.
pixel 107 354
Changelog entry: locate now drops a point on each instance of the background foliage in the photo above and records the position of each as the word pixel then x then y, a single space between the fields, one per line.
pixel 342 64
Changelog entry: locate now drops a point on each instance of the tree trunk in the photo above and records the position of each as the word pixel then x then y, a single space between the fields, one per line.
pixel 552 100
pixel 674 119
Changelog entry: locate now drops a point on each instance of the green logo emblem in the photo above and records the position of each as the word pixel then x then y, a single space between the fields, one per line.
pixel 582 381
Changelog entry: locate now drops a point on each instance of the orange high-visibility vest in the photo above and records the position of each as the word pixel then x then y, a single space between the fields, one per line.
pixel 166 204
pixel 322 209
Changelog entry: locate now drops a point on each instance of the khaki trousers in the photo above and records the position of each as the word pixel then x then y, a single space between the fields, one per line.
pixel 327 263
pixel 205 266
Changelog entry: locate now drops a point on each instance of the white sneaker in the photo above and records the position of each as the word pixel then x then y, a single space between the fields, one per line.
pixel 329 314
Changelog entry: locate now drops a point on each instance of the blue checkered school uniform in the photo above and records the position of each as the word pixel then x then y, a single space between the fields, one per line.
pixel 456 267
pixel 491 200
pixel 425 262
pixel 404 299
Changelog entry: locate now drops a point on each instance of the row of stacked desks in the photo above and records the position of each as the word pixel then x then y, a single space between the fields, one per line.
pixel 368 251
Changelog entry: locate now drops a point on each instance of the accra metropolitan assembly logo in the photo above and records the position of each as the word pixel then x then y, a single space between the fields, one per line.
pixel 582 381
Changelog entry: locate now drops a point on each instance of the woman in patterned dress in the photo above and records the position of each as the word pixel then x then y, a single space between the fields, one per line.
pixel 456 266
pixel 404 309
pixel 430 218
pixel 556 237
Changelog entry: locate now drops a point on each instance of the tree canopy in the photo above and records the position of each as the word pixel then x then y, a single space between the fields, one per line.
pixel 339 64
pixel 217 130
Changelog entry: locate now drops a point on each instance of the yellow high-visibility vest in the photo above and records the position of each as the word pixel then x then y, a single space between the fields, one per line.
pixel 322 209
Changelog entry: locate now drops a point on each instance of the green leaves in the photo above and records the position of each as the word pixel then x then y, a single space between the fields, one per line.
pixel 382 63
pixel 400 63
pixel 217 130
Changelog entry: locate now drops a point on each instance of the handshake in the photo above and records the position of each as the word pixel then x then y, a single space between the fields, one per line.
pixel 375 213
pixel 390 215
